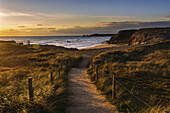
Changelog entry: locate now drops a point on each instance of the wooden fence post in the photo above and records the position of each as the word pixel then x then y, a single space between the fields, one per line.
pixel 69 63
pixel 2 110
pixel 113 88
pixel 51 77
pixel 61 66
pixel 30 88
pixel 97 73
pixel 92 65
pixel 65 62
pixel 59 72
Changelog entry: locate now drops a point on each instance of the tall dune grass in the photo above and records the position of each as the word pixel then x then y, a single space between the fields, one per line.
pixel 144 71
pixel 18 62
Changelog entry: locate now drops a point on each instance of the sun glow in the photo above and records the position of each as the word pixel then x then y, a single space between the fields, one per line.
pixel 2 14
pixel 0 20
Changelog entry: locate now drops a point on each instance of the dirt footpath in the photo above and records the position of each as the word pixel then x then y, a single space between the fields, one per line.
pixel 83 96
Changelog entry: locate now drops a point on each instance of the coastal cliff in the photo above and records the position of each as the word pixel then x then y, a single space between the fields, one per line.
pixel 141 36
pixel 122 36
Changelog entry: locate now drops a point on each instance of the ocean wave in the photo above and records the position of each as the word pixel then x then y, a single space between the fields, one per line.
pixel 67 41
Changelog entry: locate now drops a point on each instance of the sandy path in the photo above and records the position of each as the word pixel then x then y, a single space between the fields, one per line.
pixel 83 96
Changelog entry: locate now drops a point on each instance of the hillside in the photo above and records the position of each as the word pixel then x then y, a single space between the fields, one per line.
pixel 141 71
pixel 19 62
pixel 141 36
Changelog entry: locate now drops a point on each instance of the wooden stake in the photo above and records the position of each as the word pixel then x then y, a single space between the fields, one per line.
pixel 167 111
pixel 97 73
pixel 51 77
pixel 113 88
pixel 2 110
pixel 59 72
pixel 69 63
pixel 61 66
pixel 30 88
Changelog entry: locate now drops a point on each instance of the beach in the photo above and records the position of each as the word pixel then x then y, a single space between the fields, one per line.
pixel 104 46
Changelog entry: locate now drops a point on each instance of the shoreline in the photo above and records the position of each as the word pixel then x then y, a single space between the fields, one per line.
pixel 100 46
pixel 78 42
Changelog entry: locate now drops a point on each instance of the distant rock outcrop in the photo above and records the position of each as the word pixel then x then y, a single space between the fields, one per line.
pixel 1 41
pixel 141 36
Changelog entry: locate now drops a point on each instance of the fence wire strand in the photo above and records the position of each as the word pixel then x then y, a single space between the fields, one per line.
pixel 131 94
pixel 134 95
pixel 126 102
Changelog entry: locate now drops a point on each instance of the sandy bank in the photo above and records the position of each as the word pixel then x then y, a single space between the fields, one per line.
pixel 104 46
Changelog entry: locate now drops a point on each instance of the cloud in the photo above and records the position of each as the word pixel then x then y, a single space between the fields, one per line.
pixel 14 18
pixel 166 17
pixel 102 27
pixel 114 17
pixel 9 13
pixel 21 26
pixel 112 27
pixel 39 25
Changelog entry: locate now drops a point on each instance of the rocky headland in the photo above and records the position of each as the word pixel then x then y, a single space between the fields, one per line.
pixel 141 36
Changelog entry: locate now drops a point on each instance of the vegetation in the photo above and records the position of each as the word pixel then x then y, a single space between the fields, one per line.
pixel 141 36
pixel 18 62
pixel 141 71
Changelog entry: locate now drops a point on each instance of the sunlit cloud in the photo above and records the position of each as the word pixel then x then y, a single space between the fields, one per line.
pixel 112 27
pixel 17 14
pixel 108 27
pixel 21 26
pixel 14 19
pixel 167 17
pixel 14 22
pixel 10 13
pixel 3 14
pixel 39 25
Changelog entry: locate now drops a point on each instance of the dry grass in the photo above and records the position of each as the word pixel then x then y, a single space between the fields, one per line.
pixel 142 70
pixel 18 62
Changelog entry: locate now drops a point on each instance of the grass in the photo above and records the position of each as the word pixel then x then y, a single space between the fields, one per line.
pixel 18 62
pixel 144 71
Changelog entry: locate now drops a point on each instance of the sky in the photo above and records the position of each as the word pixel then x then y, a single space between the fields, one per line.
pixel 78 17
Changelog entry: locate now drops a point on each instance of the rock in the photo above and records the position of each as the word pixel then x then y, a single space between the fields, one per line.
pixel 68 41
pixel 141 36
pixel 122 36
pixel 7 41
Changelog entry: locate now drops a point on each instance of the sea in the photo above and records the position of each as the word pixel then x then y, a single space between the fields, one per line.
pixel 78 42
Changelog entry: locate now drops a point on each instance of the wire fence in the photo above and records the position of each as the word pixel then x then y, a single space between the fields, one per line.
pixel 31 86
pixel 115 82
